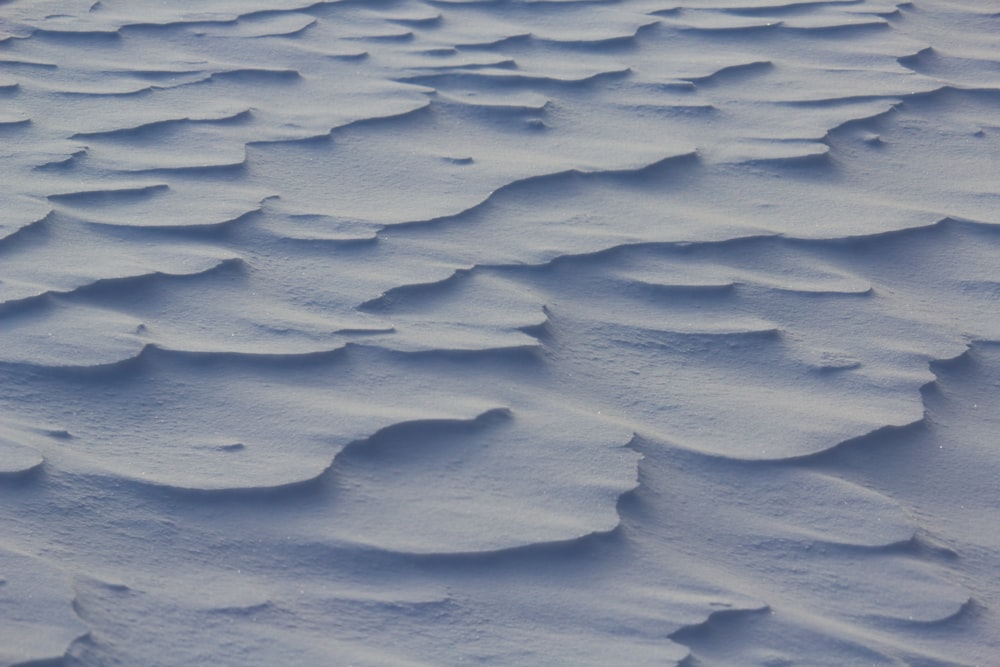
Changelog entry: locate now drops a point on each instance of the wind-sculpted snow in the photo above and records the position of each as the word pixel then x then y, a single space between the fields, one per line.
pixel 36 600
pixel 18 457
pixel 517 332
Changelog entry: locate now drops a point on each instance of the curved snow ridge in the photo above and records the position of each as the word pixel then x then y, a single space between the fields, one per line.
pixel 108 289
pixel 648 175
pixel 919 546
pixel 850 287
pixel 940 96
pixel 43 624
pixel 164 206
pixel 259 356
pixel 935 94
pixel 257 25
pixel 119 367
pixel 121 90
pixel 717 621
pixel 150 356
pixel 659 290
pixel 513 353
pixel 467 65
pixel 115 16
pixel 311 229
pixel 723 417
pixel 211 223
pixel 22 230
pixel 734 332
pixel 234 457
pixel 388 300
pixel 196 167
pixel 107 197
pixel 395 119
pixel 506 105
pixel 680 280
pixel 796 502
pixel 29 64
pixel 934 232
pixel 714 26
pixel 695 256
pixel 261 360
pixel 674 109
pixel 874 108
pixel 717 269
pixel 157 355
pixel 418 338
pixel 17 459
pixel 837 27
pixel 14 121
pixel 79 36
pixel 439 472
pixel 964 613
pixel 929 600
pixel 475 308
pixel 869 121
pixel 226 473
pixel 185 147
pixel 482 550
pixel 503 77
pixel 386 35
pixel 388 441
pixel 67 163
pixel 257 75
pixel 915 61
pixel 779 7
pixel 969 72
pixel 430 20
pixel 520 38
pixel 807 155
pixel 99 335
pixel 516 553
pixel 151 129
pixel 626 38
pixel 314 485
pixel 885 433
pixel 962 364
pixel 733 72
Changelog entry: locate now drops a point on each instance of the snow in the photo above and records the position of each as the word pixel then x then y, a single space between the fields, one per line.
pixel 521 332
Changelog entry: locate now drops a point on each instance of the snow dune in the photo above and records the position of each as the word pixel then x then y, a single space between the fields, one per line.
pixel 500 332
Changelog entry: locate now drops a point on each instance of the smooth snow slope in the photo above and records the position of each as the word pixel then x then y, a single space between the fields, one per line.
pixel 499 332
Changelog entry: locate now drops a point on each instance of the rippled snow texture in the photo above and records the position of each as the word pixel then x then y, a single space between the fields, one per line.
pixel 508 332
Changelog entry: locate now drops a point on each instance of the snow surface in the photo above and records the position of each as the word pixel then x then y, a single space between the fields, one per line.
pixel 499 332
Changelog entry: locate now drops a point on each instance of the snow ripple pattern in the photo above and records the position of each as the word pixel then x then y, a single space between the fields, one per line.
pixel 514 332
